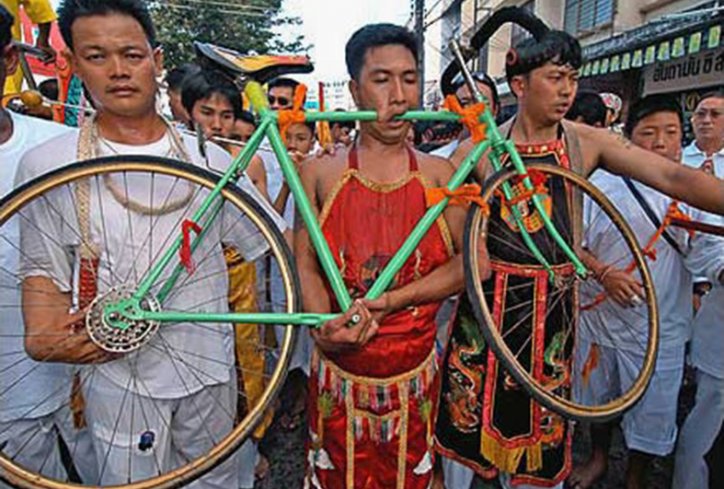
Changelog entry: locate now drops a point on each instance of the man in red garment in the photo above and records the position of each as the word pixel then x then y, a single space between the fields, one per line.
pixel 373 385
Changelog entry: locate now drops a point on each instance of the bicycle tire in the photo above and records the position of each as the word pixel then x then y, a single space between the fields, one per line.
pixel 13 204
pixel 476 226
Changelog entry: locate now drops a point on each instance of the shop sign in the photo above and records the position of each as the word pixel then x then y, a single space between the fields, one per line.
pixel 679 50
pixel 615 63
pixel 626 61
pixel 700 70
pixel 714 36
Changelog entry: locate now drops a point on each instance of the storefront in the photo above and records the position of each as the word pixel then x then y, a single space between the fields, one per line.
pixel 682 55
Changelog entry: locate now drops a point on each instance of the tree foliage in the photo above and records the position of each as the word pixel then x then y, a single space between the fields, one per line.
pixel 243 25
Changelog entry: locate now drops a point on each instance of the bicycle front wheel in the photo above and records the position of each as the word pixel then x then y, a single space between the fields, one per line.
pixel 150 404
pixel 562 338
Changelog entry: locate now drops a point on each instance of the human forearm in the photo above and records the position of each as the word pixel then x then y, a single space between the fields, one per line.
pixel 52 332
pixel 441 283
pixel 280 202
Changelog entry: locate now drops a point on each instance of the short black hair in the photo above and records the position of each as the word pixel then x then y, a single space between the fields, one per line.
pixel 71 10
pixel 558 47
pixel 175 78
pixel 247 117
pixel 6 27
pixel 480 77
pixel 204 84
pixel 283 82
pixel 590 107
pixel 372 36
pixel 351 125
pixel 649 105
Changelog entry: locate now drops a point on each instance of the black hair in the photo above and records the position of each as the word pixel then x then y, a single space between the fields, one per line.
pixel 558 47
pixel 372 36
pixel 6 27
pixel 351 125
pixel 49 88
pixel 590 107
pixel 71 10
pixel 649 105
pixel 204 84
pixel 175 78
pixel 283 82
pixel 247 117
pixel 480 77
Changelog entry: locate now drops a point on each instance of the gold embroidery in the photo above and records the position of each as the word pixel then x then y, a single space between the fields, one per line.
pixel 404 420
pixel 318 356
pixel 349 408
pixel 327 207
pixel 385 187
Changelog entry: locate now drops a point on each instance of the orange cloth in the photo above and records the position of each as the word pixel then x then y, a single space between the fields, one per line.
pixel 469 116
pixel 295 115
pixel 462 196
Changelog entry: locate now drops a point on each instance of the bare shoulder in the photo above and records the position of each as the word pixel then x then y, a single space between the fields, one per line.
pixel 435 169
pixel 325 171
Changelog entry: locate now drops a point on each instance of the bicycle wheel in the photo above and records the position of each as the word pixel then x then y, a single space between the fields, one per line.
pixel 167 403
pixel 552 336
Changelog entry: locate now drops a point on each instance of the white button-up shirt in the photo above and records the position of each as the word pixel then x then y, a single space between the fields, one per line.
pixel 695 157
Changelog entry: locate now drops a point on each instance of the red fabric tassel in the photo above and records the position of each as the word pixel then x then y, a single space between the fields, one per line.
pixel 185 251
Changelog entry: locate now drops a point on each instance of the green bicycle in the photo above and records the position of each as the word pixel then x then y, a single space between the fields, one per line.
pixel 138 306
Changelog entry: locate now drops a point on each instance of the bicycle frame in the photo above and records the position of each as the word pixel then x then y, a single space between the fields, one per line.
pixel 269 129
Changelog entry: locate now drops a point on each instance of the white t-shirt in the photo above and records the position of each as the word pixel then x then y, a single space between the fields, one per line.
pixel 613 326
pixel 275 179
pixel 182 358
pixel 50 386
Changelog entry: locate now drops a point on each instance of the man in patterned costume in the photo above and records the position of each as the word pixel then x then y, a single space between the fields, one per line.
pixel 373 386
pixel 487 422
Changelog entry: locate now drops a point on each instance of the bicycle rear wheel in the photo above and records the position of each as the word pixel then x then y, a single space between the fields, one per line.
pixel 174 400
pixel 549 335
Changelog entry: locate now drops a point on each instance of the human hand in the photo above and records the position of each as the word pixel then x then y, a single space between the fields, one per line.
pixel 329 149
pixel 380 307
pixel 349 331
pixel 50 54
pixel 624 289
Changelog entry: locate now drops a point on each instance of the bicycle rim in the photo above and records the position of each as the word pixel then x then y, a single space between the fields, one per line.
pixel 225 408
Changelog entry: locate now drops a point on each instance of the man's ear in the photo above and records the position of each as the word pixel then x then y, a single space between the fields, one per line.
pixel 354 91
pixel 11 59
pixel 158 60
pixel 518 85
pixel 70 58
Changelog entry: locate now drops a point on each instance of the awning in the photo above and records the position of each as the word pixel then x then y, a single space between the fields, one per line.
pixel 658 41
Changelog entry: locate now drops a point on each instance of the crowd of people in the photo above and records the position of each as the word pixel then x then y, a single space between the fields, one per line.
pixel 377 385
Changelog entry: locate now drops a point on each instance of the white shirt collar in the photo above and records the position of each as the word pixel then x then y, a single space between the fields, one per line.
pixel 693 150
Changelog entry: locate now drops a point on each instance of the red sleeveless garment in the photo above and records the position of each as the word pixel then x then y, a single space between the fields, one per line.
pixel 371 410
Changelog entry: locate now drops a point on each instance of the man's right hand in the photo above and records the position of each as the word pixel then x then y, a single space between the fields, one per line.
pixel 342 333
pixel 624 289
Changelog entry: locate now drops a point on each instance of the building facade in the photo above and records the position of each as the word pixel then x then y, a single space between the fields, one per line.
pixel 631 47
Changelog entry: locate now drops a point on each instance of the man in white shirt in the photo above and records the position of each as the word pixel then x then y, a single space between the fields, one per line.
pixel 171 401
pixel 34 399
pixel 613 334
pixel 707 149
pixel 706 419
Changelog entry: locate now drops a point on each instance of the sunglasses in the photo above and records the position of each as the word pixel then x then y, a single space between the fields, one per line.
pixel 281 101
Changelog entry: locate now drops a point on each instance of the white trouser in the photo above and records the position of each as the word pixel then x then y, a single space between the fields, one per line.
pixel 457 475
pixel 698 433
pixel 248 455
pixel 33 443
pixel 649 426
pixel 135 437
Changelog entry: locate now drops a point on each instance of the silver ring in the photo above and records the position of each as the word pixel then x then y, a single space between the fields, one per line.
pixel 636 300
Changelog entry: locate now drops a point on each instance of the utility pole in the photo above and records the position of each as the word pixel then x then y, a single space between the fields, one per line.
pixel 419 12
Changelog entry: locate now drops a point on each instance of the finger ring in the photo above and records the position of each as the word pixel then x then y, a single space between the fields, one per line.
pixel 355 319
pixel 636 300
